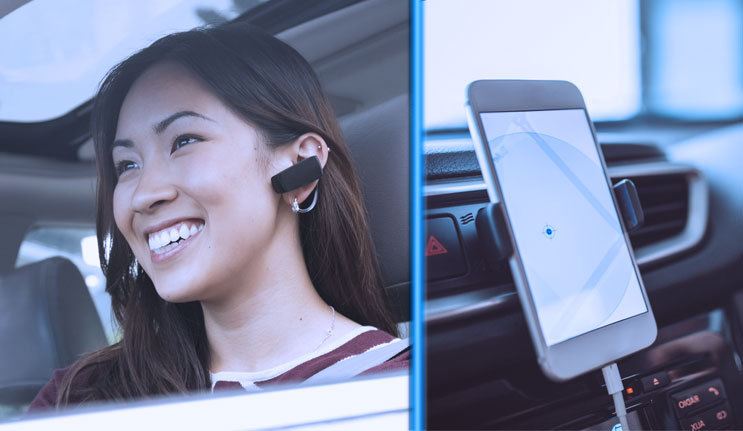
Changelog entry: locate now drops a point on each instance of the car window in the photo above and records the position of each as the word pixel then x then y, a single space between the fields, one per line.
pixel 78 245
pixel 693 59
pixel 70 48
pixel 679 60
pixel 605 66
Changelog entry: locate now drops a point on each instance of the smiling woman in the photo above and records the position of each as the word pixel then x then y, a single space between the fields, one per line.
pixel 216 279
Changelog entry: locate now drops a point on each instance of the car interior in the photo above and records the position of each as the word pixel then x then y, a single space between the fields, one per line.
pixel 481 370
pixel 52 305
pixel 481 366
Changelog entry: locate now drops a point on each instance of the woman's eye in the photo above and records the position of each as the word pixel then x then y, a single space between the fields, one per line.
pixel 124 166
pixel 183 141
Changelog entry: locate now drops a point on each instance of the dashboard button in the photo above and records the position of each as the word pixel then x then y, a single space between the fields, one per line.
pixel 654 381
pixel 712 419
pixel 699 396
pixel 631 388
pixel 443 251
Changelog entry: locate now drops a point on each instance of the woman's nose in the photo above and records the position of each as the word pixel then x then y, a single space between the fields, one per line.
pixel 154 189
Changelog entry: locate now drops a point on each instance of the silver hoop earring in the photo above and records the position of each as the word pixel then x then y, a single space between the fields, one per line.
pixel 297 209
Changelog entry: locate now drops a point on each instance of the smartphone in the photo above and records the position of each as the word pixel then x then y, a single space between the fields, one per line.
pixel 573 266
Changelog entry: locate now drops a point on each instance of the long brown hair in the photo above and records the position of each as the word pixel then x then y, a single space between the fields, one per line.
pixel 164 348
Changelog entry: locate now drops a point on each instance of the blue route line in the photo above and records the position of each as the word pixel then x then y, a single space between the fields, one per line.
pixel 611 220
pixel 592 282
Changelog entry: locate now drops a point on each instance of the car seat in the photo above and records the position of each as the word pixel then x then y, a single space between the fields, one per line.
pixel 47 321
pixel 379 141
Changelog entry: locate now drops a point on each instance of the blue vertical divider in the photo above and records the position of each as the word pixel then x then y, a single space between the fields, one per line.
pixel 417 379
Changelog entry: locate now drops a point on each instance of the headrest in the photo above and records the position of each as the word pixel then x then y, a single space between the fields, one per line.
pixel 379 141
pixel 47 321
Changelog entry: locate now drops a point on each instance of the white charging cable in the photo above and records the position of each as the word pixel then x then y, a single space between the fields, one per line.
pixel 615 387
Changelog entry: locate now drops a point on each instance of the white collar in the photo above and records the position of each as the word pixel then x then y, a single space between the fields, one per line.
pixel 247 379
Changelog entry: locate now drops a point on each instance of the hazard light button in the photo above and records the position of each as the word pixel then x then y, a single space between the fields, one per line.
pixel 443 249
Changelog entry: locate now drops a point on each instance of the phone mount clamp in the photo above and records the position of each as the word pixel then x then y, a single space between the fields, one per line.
pixel 494 237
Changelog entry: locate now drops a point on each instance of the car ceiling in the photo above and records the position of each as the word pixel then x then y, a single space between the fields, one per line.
pixel 46 168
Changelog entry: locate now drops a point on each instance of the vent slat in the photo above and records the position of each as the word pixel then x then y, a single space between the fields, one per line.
pixel 662 188
pixel 664 208
pixel 668 226
pixel 664 200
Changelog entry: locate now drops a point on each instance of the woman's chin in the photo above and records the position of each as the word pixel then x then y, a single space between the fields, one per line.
pixel 179 294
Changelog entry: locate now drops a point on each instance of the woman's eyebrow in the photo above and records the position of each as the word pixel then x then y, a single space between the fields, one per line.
pixel 161 126
pixel 122 143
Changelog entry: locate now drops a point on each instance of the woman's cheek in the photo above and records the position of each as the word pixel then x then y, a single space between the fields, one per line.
pixel 120 213
pixel 123 216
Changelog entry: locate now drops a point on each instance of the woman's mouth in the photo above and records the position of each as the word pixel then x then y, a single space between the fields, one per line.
pixel 166 242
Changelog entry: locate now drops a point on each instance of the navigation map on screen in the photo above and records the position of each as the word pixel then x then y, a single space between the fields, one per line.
pixel 564 222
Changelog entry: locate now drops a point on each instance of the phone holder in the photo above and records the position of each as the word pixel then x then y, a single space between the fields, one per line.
pixel 494 237
pixel 298 175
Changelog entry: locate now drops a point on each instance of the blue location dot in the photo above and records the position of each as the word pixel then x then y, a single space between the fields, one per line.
pixel 549 231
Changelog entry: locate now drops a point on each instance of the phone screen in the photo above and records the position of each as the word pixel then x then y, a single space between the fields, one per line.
pixel 565 225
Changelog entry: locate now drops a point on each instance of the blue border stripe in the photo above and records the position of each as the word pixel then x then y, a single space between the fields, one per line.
pixel 417 380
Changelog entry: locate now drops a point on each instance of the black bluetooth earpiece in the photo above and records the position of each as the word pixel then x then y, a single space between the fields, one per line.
pixel 294 177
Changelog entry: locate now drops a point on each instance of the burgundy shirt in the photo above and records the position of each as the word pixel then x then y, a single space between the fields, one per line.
pixel 47 397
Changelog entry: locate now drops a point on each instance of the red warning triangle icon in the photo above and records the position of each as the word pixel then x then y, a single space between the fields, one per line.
pixel 434 247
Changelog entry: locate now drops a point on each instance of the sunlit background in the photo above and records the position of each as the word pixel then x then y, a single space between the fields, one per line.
pixel 677 59
pixel 71 46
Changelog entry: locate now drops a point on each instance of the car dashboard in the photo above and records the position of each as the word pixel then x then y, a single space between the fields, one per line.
pixel 481 369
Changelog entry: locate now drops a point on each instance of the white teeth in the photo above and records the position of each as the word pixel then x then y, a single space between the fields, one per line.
pixel 174 235
pixel 165 240
pixel 184 232
pixel 166 248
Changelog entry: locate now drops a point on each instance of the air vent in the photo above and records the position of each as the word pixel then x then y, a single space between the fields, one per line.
pixel 665 201
pixel 674 197
pixel 468 218
pixel 615 153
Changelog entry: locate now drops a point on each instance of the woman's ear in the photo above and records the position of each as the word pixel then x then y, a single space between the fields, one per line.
pixel 307 145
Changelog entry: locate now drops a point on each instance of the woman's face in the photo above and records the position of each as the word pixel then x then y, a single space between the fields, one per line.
pixel 193 198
